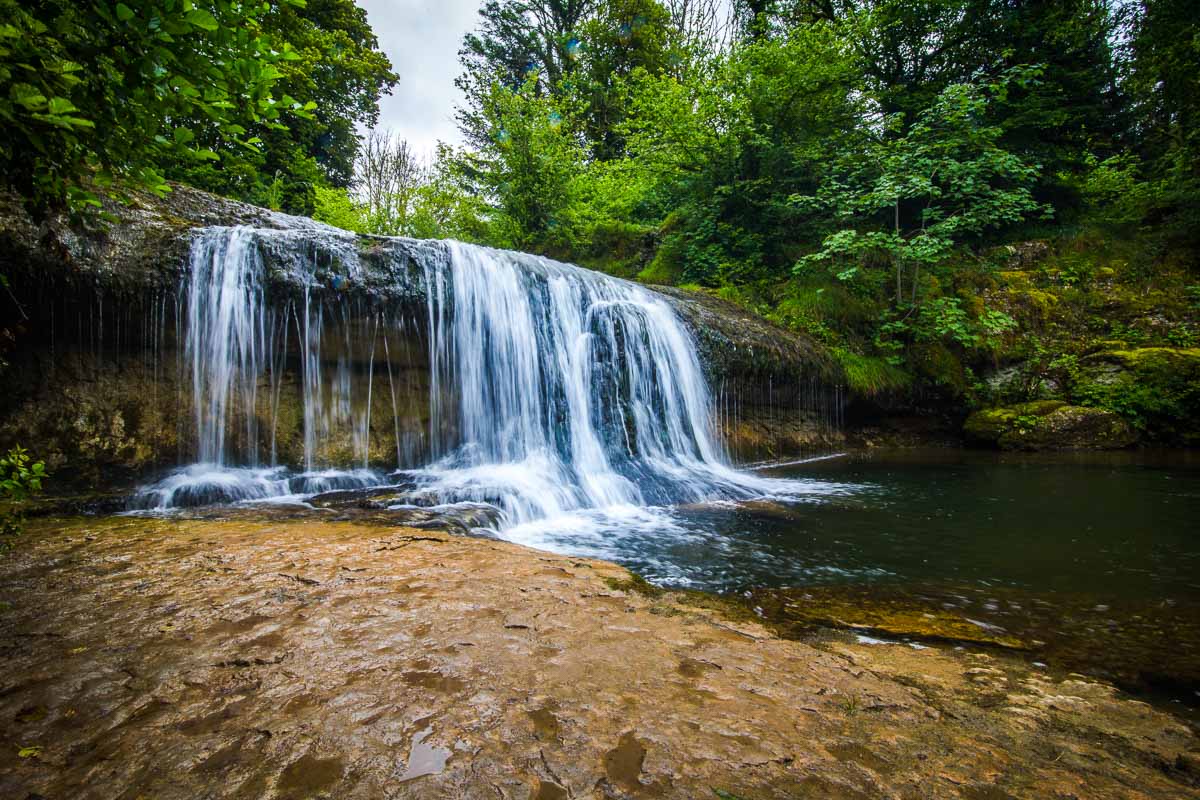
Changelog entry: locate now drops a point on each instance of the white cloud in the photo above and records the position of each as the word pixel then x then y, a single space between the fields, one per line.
pixel 422 38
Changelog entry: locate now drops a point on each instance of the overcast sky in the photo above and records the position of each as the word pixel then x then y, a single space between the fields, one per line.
pixel 422 38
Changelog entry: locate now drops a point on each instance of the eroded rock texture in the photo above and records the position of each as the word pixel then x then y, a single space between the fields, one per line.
pixel 293 659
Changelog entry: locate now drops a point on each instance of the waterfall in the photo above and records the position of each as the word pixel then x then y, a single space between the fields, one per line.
pixel 574 391
pixel 553 392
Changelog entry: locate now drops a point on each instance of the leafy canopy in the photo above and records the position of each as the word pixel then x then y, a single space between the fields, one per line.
pixel 115 90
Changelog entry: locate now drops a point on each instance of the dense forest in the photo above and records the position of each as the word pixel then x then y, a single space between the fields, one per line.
pixel 930 189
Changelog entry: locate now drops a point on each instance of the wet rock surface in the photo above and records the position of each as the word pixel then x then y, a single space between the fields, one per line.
pixel 299 658
pixel 1153 651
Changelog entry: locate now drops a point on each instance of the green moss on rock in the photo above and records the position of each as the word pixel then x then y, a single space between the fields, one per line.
pixel 1157 389
pixel 1049 425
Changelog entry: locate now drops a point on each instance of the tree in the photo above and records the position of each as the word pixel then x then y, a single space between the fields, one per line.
pixel 339 74
pixel 527 168
pixel 914 198
pixel 387 178
pixel 395 195
pixel 91 92
pixel 732 139
pixel 519 43
pixel 578 51
pixel 1164 80
pixel 624 36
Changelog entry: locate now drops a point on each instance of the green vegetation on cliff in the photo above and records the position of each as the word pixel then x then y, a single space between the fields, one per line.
pixel 927 189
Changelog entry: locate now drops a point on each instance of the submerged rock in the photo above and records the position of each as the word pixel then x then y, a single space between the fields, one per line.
pixel 1049 425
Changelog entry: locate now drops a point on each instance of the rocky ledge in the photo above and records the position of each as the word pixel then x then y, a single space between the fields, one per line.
pixel 144 244
pixel 294 659
pixel 1049 425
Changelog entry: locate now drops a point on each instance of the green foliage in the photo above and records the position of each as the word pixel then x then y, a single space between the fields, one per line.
pixel 335 207
pixel 20 479
pixel 914 198
pixel 101 92
pixel 257 101
pixel 437 205
pixel 1156 389
pixel 871 376
pixel 329 87
pixel 528 166
pixel 1164 84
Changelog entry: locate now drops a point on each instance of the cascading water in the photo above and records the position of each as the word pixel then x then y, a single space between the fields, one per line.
pixel 575 392
pixel 570 401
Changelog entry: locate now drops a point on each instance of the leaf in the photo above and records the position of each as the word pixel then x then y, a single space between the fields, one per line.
pixel 124 12
pixel 29 752
pixel 61 105
pixel 202 19
pixel 27 95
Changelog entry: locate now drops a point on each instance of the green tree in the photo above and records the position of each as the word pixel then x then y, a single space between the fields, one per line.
pixel 92 92
pixel 527 44
pixel 731 139
pixel 912 200
pixel 338 75
pixel 1164 80
pixel 527 169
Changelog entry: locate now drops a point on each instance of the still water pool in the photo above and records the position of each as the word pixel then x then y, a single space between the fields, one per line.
pixel 1088 562
pixel 1123 526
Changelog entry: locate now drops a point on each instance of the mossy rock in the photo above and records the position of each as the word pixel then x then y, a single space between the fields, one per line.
pixel 1157 389
pixel 1049 425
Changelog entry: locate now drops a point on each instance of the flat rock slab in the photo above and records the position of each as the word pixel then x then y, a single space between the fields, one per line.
pixel 295 659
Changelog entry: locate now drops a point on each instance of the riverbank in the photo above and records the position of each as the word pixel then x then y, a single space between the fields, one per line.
pixel 306 659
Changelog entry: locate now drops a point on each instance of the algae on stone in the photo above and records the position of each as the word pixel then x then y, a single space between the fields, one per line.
pixel 1049 425
pixel 1157 389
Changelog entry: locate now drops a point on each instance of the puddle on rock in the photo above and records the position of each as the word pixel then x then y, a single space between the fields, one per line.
pixel 308 776
pixel 424 759
pixel 694 668
pixel 863 756
pixel 430 679
pixel 623 763
pixel 545 724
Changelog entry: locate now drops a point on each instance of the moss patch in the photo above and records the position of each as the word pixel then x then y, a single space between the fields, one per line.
pixel 1157 389
pixel 1049 425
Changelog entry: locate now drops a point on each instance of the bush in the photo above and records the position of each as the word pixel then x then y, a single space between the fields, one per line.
pixel 20 479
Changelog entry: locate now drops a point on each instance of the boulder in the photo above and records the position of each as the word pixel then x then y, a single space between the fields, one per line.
pixel 1049 425
pixel 1155 388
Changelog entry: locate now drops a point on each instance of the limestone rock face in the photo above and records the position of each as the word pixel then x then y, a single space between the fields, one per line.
pixel 1049 425
pixel 100 386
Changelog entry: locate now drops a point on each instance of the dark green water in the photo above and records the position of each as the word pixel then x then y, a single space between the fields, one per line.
pixel 1122 526
pixel 1093 560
